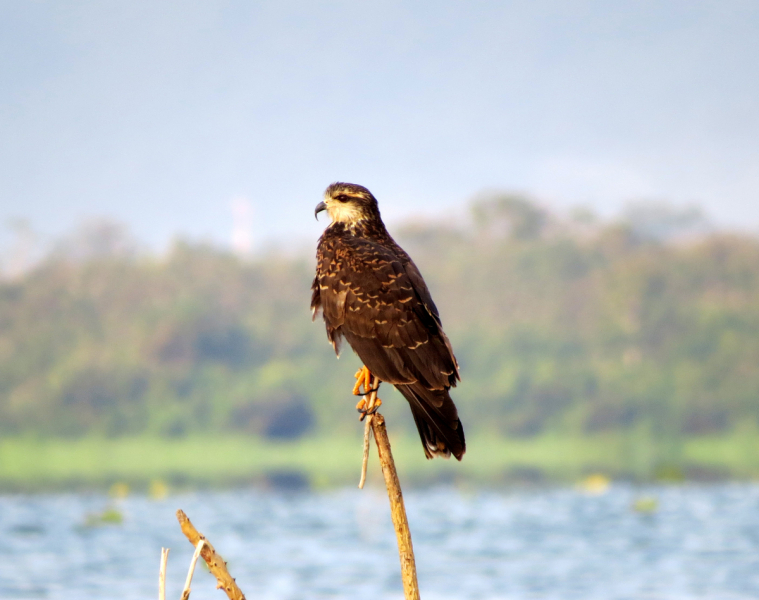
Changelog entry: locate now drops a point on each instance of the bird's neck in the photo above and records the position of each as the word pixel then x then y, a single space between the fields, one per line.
pixel 372 229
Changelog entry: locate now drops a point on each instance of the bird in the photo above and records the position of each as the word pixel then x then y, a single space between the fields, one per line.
pixel 371 294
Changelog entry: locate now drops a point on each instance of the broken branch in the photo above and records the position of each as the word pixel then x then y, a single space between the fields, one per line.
pixel 215 562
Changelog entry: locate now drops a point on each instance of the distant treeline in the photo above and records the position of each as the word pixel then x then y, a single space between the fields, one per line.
pixel 649 323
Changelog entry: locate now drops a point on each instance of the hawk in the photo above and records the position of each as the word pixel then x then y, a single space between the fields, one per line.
pixel 372 294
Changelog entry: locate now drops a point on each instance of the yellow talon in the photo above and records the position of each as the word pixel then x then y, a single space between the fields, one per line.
pixel 368 410
pixel 369 404
pixel 363 378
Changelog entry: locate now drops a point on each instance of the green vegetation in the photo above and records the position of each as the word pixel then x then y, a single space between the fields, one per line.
pixel 57 463
pixel 629 347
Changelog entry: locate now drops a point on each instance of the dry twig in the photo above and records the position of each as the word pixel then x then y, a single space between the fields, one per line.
pixel 186 591
pixel 215 562
pixel 162 574
pixel 365 461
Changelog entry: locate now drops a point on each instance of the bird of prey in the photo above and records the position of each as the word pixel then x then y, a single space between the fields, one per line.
pixel 372 294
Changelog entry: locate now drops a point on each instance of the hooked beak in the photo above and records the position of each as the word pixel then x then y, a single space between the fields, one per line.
pixel 319 207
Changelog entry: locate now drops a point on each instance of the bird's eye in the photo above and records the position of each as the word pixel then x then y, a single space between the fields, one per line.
pixel 342 198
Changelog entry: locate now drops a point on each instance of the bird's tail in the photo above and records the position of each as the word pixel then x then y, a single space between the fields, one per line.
pixel 436 419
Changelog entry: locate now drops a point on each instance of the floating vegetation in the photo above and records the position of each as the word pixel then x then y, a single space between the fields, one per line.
pixel 669 473
pixel 158 489
pixel 109 516
pixel 595 485
pixel 119 490
pixel 645 504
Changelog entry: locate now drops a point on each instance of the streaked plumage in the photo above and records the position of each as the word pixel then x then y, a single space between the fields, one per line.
pixel 372 294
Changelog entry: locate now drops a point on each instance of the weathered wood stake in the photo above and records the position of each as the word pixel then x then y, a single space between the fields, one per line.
pixel 397 509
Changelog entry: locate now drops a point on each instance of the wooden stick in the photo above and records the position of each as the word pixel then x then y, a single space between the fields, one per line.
pixel 215 562
pixel 162 574
pixel 186 591
pixel 397 509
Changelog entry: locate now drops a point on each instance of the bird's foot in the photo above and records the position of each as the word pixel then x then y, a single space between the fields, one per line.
pixel 363 379
pixel 369 404
pixel 364 408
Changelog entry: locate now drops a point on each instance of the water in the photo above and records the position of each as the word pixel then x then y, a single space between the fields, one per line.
pixel 702 542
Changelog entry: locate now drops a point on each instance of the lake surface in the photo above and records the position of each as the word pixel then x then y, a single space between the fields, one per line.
pixel 701 542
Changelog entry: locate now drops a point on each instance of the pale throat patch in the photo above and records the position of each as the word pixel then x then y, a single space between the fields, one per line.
pixel 344 212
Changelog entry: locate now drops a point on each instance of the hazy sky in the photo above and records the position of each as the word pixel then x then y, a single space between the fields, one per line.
pixel 160 114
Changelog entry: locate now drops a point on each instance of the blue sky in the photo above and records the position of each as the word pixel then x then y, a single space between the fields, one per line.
pixel 159 114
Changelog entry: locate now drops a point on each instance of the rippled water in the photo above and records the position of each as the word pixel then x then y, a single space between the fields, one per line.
pixel 702 542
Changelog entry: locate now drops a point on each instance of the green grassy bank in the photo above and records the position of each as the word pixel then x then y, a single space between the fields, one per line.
pixel 29 464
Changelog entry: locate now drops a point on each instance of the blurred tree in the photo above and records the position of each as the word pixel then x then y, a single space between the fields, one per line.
pixel 508 215
pixel 659 221
pixel 604 327
pixel 97 239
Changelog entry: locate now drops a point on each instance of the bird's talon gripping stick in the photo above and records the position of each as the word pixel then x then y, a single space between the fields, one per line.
pixel 367 408
pixel 363 379
pixel 369 404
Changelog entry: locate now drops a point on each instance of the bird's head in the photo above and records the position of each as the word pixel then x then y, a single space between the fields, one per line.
pixel 348 203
